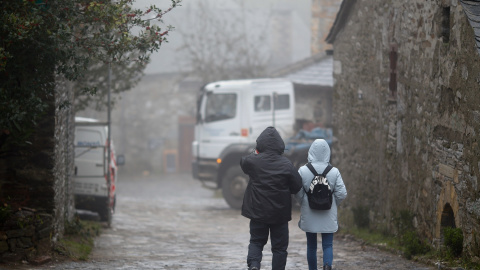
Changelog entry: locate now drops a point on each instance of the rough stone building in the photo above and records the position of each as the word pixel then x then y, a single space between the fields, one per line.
pixel 36 198
pixel 406 114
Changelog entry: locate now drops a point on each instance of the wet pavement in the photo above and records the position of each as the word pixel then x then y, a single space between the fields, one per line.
pixel 172 222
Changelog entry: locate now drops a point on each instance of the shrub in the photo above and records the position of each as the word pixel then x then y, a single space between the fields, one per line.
pixel 453 240
pixel 413 245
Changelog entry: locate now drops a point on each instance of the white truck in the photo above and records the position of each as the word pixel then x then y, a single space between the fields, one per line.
pixel 230 117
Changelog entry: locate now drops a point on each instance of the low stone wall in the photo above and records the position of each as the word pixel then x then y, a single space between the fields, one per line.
pixel 24 235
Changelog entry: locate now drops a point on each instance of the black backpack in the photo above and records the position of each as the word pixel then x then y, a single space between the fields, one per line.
pixel 319 194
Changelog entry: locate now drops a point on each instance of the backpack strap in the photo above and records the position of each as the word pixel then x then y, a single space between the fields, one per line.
pixel 324 174
pixel 327 169
pixel 310 167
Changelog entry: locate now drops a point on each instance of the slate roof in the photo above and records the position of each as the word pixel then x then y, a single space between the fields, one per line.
pixel 340 20
pixel 472 10
pixel 315 70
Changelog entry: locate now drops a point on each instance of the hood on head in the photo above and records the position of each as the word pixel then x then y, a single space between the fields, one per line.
pixel 270 140
pixel 319 151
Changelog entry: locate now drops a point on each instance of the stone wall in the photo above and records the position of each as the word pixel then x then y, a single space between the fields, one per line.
pixel 64 157
pixel 406 115
pixel 35 195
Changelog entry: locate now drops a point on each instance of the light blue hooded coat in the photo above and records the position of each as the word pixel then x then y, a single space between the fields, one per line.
pixel 320 221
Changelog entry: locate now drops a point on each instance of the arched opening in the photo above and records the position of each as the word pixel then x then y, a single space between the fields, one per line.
pixel 448 217
pixel 447 221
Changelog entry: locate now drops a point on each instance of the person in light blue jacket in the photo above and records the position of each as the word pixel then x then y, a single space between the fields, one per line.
pixel 320 221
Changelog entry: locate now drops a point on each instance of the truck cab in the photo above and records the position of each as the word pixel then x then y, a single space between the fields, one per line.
pixel 230 117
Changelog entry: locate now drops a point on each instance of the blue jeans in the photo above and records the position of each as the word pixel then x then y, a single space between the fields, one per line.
pixel 258 238
pixel 327 246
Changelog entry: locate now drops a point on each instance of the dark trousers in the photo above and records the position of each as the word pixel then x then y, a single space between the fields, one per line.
pixel 258 238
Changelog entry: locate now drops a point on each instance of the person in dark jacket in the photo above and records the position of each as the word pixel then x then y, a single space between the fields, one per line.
pixel 267 201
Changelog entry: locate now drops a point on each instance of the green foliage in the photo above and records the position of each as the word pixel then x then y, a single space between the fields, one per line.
pixel 92 90
pixel 413 245
pixel 405 239
pixel 453 240
pixel 5 212
pixel 410 241
pixel 42 39
pixel 82 228
pixel 78 240
pixel 372 237
pixel 361 216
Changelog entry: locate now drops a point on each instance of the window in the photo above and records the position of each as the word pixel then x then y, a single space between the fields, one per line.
pixel 220 107
pixel 282 102
pixel 446 25
pixel 393 71
pixel 262 103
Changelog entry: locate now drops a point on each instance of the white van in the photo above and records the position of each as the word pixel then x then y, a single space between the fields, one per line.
pixel 92 189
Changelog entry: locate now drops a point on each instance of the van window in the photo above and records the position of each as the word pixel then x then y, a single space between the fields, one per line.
pixel 262 103
pixel 282 102
pixel 220 107
pixel 88 137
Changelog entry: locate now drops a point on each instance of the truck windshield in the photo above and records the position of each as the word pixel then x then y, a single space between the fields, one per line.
pixel 220 107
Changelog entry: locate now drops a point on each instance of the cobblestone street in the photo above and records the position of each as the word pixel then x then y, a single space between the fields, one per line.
pixel 172 222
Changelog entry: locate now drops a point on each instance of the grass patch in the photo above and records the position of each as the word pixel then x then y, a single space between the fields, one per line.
pixel 403 239
pixel 374 238
pixel 78 240
pixel 413 248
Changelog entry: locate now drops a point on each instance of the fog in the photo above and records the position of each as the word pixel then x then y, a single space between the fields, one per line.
pixel 212 40
pixel 280 29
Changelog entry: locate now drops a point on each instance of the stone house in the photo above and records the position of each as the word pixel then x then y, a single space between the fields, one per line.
pixel 406 114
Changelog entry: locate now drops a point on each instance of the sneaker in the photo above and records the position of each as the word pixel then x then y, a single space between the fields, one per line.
pixel 254 268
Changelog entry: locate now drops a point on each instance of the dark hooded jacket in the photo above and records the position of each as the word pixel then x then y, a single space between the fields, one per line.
pixel 273 179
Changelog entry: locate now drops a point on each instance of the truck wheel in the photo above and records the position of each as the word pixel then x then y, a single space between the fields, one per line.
pixel 234 183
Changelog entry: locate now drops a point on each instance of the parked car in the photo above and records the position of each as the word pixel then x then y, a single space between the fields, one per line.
pixel 95 178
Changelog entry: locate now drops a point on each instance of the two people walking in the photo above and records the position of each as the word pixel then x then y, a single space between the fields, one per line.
pixel 268 200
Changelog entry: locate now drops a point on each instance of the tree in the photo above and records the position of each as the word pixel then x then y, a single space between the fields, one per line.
pixel 42 38
pixel 221 44
pixel 92 90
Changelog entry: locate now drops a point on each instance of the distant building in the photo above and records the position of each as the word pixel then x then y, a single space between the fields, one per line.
pixel 312 79
pixel 323 16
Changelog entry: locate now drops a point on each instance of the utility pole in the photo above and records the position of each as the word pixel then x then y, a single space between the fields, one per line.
pixel 109 137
